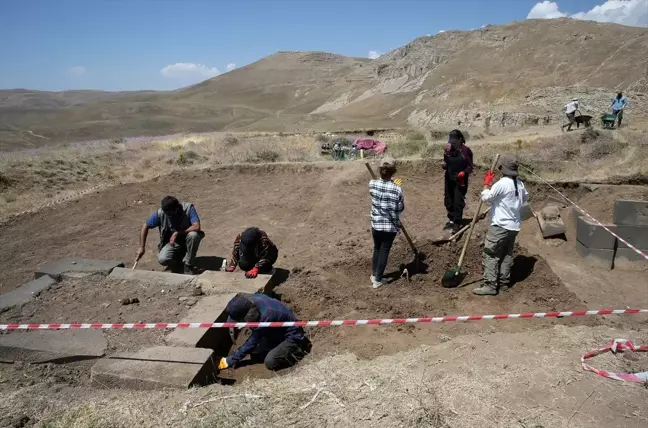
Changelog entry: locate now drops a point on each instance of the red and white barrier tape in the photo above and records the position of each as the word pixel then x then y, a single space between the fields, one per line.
pixel 636 250
pixel 617 345
pixel 323 323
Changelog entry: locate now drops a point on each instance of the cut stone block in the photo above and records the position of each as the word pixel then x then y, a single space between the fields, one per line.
pixel 218 282
pixel 208 309
pixel 602 258
pixel 75 266
pixel 637 236
pixel 631 213
pixel 166 278
pixel 42 346
pixel 156 368
pixel 25 292
pixel 594 236
pixel 551 224
pixel 626 254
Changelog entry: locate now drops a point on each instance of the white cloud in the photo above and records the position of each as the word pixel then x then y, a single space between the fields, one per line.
pixel 441 31
pixel 626 12
pixel 374 54
pixel 77 70
pixel 189 71
pixel 231 66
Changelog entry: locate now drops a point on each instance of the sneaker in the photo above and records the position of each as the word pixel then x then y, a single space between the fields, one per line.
pixel 448 226
pixel 485 290
pixel 372 278
pixel 191 270
pixel 377 284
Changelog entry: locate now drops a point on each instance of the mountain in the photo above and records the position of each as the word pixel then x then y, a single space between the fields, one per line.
pixel 511 75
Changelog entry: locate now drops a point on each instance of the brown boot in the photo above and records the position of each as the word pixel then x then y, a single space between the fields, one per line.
pixel 485 290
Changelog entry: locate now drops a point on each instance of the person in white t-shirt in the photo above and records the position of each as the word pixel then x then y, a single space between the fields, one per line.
pixel 570 110
pixel 506 197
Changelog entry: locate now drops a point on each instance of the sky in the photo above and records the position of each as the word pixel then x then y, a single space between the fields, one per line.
pixel 119 45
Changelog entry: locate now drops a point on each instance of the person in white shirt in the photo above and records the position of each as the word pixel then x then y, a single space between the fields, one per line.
pixel 506 197
pixel 570 110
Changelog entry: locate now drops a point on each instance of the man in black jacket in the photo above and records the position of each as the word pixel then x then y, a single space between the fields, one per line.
pixel 458 164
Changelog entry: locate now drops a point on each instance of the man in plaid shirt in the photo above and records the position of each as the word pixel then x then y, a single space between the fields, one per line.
pixel 277 347
pixel 387 204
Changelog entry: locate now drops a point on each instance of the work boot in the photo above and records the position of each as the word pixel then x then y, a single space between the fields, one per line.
pixel 448 226
pixel 191 270
pixel 485 290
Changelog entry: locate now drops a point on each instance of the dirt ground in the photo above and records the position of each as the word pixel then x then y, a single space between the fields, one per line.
pixel 318 215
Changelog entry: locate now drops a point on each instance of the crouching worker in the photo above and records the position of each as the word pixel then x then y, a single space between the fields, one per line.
pixel 180 235
pixel 277 347
pixel 253 252
pixel 507 197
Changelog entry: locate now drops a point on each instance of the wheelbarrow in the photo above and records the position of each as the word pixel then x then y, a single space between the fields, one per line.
pixel 608 120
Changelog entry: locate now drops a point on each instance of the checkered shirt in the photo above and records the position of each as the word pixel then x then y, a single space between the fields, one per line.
pixel 387 203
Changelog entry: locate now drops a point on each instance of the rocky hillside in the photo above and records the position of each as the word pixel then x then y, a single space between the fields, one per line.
pixel 511 75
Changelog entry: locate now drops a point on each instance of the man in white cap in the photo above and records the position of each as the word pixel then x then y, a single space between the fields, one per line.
pixel 570 110
pixel 506 197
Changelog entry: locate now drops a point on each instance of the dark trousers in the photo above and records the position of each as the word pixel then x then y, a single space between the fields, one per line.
pixel 247 263
pixel 455 200
pixel 619 115
pixel 382 245
pixel 283 355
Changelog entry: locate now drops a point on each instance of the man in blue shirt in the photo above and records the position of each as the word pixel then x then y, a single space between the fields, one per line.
pixel 618 105
pixel 277 347
pixel 180 234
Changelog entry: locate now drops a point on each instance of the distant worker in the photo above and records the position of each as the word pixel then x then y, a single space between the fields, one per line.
pixel 253 252
pixel 180 235
pixel 387 204
pixel 507 197
pixel 570 111
pixel 458 165
pixel 619 103
pixel 338 153
pixel 277 347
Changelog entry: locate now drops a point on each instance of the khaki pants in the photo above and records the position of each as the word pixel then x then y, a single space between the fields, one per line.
pixel 498 256
pixel 185 250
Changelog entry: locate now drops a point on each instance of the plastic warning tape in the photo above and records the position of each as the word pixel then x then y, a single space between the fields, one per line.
pixel 617 345
pixel 323 323
pixel 598 223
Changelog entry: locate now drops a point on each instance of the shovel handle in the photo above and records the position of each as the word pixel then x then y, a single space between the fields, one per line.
pixel 407 236
pixel 474 220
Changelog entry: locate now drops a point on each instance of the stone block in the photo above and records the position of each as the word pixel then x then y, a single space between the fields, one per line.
pixel 637 236
pixel 25 292
pixel 551 224
pixel 58 346
pixel 596 257
pixel 631 213
pixel 628 255
pixel 208 309
pixel 166 278
pixel 594 236
pixel 156 368
pixel 75 266
pixel 218 282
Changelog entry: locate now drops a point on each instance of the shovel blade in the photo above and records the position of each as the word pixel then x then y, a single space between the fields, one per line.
pixel 452 278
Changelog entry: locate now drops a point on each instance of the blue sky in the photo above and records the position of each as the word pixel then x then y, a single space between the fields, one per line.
pixel 166 44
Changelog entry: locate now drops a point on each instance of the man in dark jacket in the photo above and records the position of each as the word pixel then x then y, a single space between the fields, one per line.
pixel 277 347
pixel 458 165
pixel 253 252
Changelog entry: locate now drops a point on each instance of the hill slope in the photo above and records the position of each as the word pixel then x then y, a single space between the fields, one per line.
pixel 515 74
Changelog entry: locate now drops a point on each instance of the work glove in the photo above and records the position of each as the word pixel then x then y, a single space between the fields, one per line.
pixel 230 268
pixel 488 178
pixel 252 273
pixel 398 181
pixel 222 364
pixel 461 177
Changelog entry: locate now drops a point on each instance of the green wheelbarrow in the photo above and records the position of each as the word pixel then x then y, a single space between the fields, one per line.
pixel 608 120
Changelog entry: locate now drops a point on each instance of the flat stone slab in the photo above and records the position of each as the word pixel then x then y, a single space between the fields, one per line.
pixel 26 292
pixel 631 213
pixel 218 282
pixel 637 236
pixel 167 278
pixel 75 266
pixel 157 367
pixel 208 309
pixel 551 224
pixel 594 236
pixel 58 346
pixel 602 258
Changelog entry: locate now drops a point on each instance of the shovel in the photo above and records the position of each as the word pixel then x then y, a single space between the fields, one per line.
pixel 451 278
pixel 402 227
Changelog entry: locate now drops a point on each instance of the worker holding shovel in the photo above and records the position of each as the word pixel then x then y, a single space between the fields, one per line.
pixel 507 197
pixel 458 164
